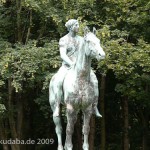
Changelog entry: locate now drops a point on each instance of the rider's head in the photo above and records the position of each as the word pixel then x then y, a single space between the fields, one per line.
pixel 72 25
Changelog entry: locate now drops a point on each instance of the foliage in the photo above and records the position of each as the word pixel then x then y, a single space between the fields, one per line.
pixel 31 59
pixel 28 63
pixel 2 108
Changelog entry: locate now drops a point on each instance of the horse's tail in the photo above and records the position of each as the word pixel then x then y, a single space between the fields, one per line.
pixel 51 91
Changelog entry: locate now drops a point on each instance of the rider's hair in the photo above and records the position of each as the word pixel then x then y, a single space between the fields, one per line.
pixel 70 23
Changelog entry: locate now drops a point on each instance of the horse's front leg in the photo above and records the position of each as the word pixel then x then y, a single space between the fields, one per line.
pixel 71 119
pixel 86 127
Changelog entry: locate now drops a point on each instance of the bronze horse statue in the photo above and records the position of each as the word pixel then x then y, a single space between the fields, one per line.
pixel 79 91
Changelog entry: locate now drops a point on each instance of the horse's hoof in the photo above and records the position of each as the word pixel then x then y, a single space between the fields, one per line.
pixel 85 147
pixel 60 147
pixel 68 148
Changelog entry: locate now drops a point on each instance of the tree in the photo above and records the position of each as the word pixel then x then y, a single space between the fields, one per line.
pixel 29 34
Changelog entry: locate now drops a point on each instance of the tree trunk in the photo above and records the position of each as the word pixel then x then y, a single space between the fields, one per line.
pixel 19 33
pixel 11 116
pixel 3 134
pixel 5 147
pixel 20 114
pixel 125 124
pixel 102 106
pixel 29 28
pixel 145 121
pixel 41 32
pixel 92 133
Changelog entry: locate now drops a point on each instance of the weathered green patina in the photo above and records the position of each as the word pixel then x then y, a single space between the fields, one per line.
pixel 75 84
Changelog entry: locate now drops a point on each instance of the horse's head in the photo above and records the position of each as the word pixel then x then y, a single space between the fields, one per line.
pixel 93 48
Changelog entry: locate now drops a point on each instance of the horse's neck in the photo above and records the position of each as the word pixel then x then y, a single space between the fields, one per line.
pixel 83 64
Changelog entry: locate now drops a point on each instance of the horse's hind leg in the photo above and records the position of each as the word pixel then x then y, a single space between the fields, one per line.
pixel 56 119
pixel 58 129
pixel 86 127
pixel 71 119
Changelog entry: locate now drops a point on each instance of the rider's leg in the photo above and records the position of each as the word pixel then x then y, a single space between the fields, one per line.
pixel 59 78
pixel 95 82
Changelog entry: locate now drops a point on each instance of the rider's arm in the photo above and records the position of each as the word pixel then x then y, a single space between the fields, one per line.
pixel 63 55
pixel 63 51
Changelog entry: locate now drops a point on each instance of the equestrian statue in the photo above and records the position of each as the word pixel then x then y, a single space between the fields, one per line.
pixel 75 85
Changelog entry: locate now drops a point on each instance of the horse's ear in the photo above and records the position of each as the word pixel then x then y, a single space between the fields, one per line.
pixel 94 30
pixel 86 30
